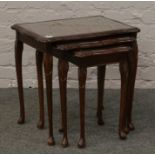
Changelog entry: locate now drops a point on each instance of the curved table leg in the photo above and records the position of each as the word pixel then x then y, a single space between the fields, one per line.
pixel 82 73
pixel 124 71
pixel 133 59
pixel 101 77
pixel 18 64
pixel 63 67
pixel 39 64
pixel 48 65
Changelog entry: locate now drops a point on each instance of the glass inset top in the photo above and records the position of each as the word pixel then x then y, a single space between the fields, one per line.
pixel 64 28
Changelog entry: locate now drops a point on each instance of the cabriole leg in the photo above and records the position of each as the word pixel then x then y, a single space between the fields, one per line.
pixel 82 73
pixel 39 64
pixel 124 71
pixel 62 73
pixel 133 59
pixel 18 64
pixel 48 65
pixel 101 78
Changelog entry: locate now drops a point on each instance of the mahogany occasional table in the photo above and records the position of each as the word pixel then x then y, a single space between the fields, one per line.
pixel 85 42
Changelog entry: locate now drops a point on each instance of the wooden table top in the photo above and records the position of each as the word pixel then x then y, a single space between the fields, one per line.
pixel 73 28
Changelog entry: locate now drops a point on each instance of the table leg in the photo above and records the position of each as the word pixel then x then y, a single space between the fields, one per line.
pixel 63 67
pixel 82 74
pixel 18 64
pixel 124 71
pixel 48 65
pixel 39 64
pixel 133 59
pixel 101 77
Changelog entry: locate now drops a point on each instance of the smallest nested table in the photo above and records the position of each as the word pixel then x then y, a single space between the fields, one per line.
pixel 85 42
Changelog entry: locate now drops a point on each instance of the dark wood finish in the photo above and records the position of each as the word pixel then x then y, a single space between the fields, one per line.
pixel 89 58
pixel 82 74
pixel 39 64
pixel 63 67
pixel 95 43
pixel 48 65
pixel 133 59
pixel 124 71
pixel 86 42
pixel 18 63
pixel 73 29
pixel 100 83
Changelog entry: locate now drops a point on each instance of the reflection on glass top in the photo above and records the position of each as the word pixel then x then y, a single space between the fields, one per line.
pixel 74 26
